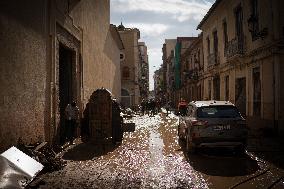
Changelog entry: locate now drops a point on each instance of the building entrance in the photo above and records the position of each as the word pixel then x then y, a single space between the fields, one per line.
pixel 240 95
pixel 66 84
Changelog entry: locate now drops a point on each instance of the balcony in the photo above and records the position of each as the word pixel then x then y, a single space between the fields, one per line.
pixel 234 47
pixel 191 75
pixel 213 59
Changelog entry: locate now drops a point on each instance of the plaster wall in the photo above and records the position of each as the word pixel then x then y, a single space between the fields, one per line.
pixel 29 62
pixel 23 74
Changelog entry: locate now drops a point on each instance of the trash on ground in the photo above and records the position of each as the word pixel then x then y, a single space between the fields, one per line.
pixel 17 169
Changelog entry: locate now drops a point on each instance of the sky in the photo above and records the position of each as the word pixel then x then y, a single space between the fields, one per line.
pixel 158 20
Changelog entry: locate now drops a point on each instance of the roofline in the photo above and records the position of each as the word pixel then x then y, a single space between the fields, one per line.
pixel 211 10
pixel 119 43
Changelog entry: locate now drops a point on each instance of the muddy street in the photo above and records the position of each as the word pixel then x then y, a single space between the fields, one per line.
pixel 153 157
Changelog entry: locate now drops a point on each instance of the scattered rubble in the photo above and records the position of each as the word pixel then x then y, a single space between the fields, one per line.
pixel 43 154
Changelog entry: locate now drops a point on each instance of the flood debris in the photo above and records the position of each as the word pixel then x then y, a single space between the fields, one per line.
pixel 17 169
pixel 43 154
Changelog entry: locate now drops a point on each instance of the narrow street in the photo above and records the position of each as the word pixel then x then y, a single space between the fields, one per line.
pixel 153 157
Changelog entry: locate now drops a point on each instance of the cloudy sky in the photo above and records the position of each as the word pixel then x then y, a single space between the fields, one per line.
pixel 158 20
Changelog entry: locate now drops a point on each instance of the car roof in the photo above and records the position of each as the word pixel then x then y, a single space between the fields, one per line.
pixel 211 103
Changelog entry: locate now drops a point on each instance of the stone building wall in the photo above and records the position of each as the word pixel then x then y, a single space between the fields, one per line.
pixel 130 39
pixel 32 34
pixel 23 75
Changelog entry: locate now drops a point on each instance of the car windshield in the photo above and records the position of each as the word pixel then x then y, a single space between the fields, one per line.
pixel 218 112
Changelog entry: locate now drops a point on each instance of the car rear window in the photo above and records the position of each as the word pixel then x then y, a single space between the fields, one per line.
pixel 218 112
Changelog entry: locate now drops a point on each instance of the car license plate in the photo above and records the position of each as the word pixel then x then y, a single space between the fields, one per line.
pixel 222 127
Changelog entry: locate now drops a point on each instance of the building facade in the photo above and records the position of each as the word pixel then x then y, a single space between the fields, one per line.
pixel 52 52
pixel 192 71
pixel 143 71
pixel 168 67
pixel 182 45
pixel 243 56
pixel 158 84
pixel 130 91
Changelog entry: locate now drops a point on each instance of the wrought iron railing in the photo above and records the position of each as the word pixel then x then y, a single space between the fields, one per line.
pixel 213 59
pixel 234 47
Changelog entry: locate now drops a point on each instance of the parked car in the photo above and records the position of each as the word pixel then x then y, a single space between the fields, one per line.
pixel 213 124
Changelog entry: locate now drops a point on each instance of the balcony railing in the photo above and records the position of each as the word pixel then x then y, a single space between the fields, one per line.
pixel 234 47
pixel 213 59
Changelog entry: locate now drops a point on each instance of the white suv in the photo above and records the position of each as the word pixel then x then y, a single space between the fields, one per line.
pixel 213 124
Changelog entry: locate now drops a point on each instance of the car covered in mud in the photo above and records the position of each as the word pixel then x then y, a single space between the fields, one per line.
pixel 213 124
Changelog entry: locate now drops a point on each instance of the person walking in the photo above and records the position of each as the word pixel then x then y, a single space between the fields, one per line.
pixel 72 117
pixel 168 106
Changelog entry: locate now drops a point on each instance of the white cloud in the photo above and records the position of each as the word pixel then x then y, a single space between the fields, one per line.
pixel 158 20
pixel 155 60
pixel 149 29
pixel 181 10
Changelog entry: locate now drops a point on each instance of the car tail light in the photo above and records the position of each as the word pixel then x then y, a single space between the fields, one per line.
pixel 199 123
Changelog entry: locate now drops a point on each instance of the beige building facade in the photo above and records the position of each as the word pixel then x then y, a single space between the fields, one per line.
pixel 52 52
pixel 130 92
pixel 143 76
pixel 243 58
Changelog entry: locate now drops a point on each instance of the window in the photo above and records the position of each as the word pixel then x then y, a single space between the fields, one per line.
pixel 256 92
pixel 121 56
pixel 208 45
pixel 125 72
pixel 225 33
pixel 216 87
pixel 218 112
pixel 215 38
pixel 254 19
pixel 227 88
pixel 239 22
pixel 209 90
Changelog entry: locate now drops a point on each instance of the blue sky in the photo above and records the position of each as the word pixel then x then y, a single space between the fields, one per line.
pixel 158 20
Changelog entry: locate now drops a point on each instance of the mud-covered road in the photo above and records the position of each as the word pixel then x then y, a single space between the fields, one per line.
pixel 153 157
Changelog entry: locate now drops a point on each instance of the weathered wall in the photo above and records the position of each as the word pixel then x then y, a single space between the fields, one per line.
pixel 101 64
pixel 22 71
pixel 262 53
pixel 30 32
pixel 129 38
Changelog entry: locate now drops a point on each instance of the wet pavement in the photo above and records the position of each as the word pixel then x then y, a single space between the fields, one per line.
pixel 153 157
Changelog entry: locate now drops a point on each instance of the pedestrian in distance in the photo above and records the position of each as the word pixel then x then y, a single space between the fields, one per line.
pixel 168 106
pixel 72 118
pixel 182 107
